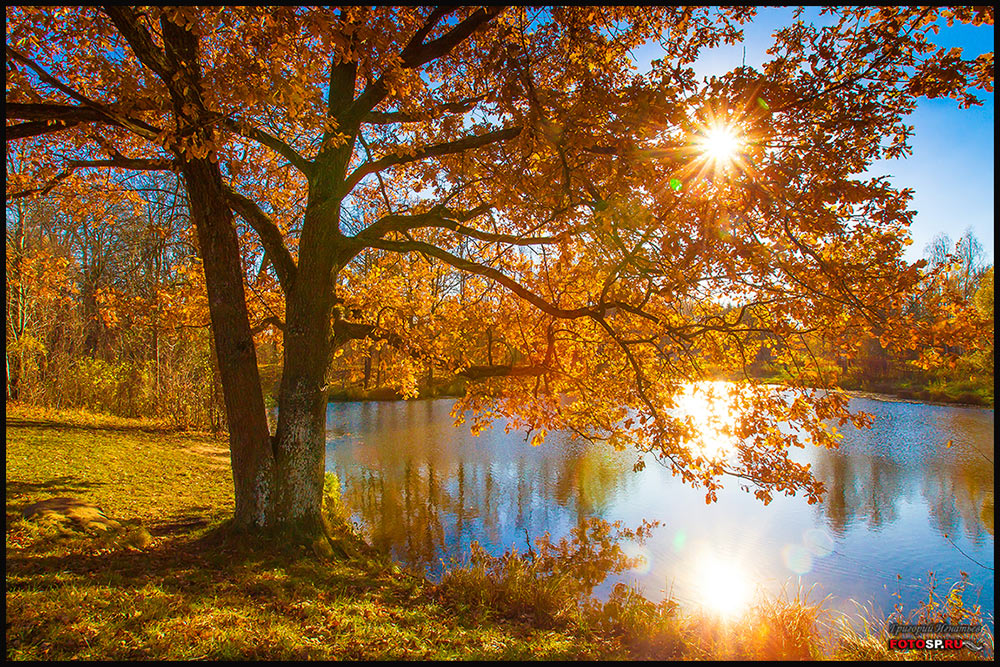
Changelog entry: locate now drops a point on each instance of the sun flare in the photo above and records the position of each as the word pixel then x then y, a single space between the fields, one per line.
pixel 721 144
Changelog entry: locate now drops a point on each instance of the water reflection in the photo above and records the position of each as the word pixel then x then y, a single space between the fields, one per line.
pixel 425 489
pixel 899 501
pixel 905 455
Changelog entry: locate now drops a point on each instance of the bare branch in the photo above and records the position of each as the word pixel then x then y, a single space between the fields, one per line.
pixel 447 148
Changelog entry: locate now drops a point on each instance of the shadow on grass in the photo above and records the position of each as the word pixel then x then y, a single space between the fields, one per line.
pixel 188 587
pixel 22 422
pixel 209 571
pixel 175 565
pixel 20 494
pixel 64 484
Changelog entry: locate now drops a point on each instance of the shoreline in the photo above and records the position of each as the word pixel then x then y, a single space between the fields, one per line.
pixel 858 393
pixel 166 585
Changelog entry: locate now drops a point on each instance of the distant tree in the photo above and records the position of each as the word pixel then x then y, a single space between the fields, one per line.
pixel 984 294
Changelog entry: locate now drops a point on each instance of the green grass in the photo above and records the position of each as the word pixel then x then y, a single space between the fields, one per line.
pixel 943 386
pixel 170 583
pixel 187 591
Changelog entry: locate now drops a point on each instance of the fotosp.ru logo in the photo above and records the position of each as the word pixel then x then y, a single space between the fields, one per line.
pixel 918 643
pixel 931 644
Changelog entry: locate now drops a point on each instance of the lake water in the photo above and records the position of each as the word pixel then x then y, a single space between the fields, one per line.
pixel 900 504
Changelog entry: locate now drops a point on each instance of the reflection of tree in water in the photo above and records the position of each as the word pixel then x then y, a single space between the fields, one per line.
pixel 970 469
pixel 859 487
pixel 833 468
pixel 961 495
pixel 956 482
pixel 425 489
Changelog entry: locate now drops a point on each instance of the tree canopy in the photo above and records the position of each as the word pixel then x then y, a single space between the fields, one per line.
pixel 497 194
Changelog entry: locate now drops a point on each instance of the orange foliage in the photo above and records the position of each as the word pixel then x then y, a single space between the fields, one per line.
pixel 496 194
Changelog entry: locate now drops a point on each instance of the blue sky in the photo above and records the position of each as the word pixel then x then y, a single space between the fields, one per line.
pixel 951 168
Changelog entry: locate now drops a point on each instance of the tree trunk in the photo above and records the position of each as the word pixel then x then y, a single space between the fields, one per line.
pixel 300 437
pixel 249 439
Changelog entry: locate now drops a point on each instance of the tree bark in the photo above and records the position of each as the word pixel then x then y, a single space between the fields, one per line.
pixel 300 437
pixel 249 439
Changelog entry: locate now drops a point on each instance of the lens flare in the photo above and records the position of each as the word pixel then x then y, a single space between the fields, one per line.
pixel 797 558
pixel 818 542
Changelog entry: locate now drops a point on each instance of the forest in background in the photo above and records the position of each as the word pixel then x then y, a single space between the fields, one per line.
pixel 106 310
pixel 958 275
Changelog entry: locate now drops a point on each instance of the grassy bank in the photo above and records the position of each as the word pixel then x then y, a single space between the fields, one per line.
pixel 933 389
pixel 159 577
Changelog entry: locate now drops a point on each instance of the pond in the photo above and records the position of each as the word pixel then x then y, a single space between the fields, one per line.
pixel 900 504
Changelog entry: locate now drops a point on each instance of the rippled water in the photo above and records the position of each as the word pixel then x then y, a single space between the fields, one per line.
pixel 900 504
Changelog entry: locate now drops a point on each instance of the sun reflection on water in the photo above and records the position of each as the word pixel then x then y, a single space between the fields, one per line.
pixel 723 586
pixel 708 407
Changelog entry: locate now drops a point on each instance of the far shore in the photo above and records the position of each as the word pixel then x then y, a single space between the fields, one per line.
pixel 902 395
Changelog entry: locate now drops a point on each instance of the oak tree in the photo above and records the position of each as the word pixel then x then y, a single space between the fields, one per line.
pixel 498 194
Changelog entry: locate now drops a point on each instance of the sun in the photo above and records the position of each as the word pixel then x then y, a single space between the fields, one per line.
pixel 721 144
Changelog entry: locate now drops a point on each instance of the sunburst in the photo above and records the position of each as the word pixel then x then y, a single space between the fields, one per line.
pixel 721 144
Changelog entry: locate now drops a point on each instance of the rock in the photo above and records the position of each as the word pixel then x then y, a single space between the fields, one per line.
pixel 70 510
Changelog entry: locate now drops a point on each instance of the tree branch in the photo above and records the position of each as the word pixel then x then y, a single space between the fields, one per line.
pixel 269 234
pixel 416 53
pixel 483 372
pixel 493 274
pixel 245 129
pixel 139 127
pixel 145 49
pixel 388 117
pixel 121 162
pixel 266 323
pixel 442 218
pixel 447 148
pixel 118 161
pixel 46 118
